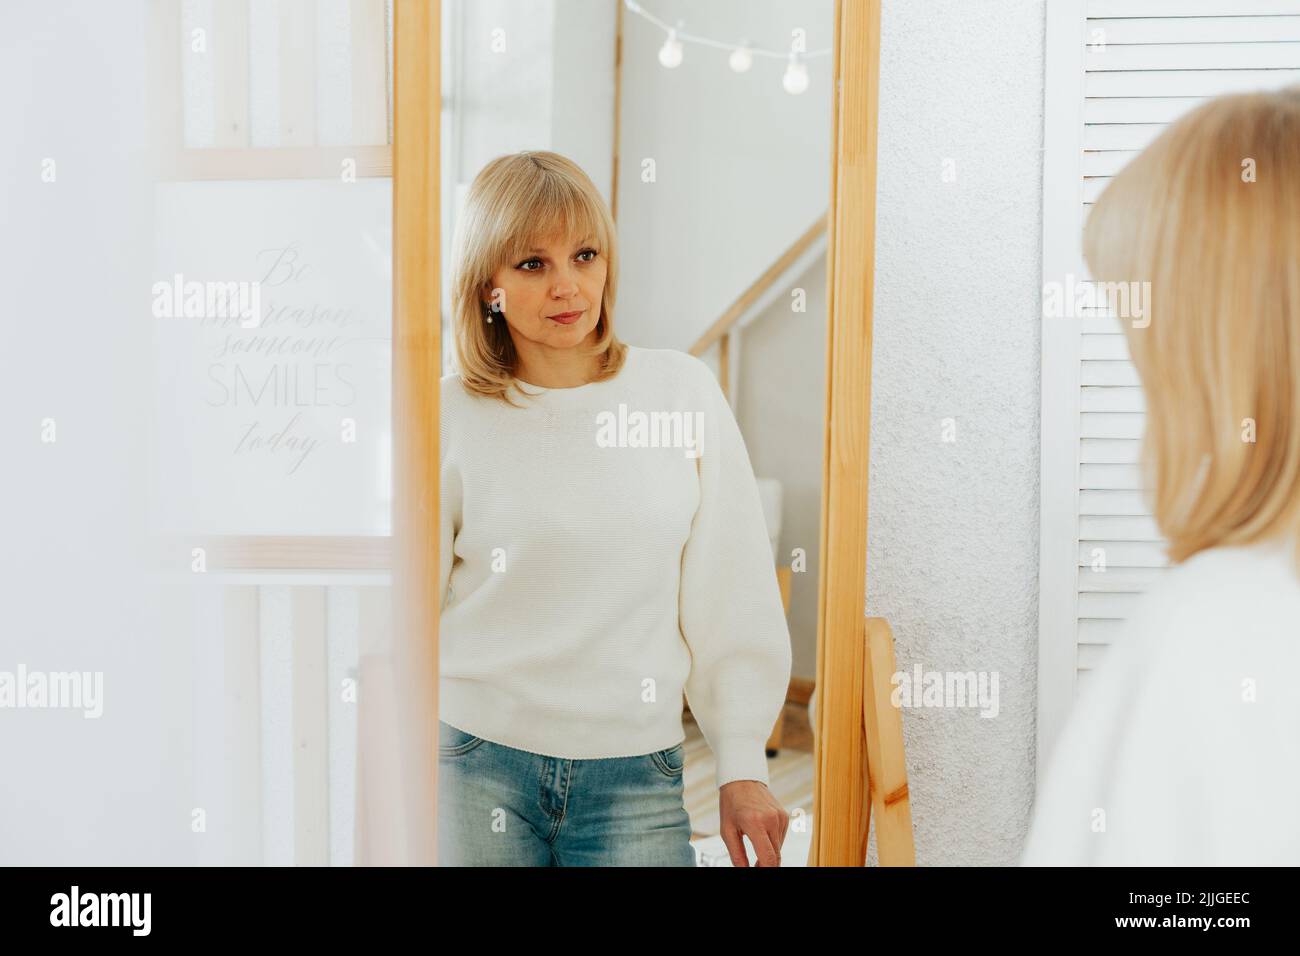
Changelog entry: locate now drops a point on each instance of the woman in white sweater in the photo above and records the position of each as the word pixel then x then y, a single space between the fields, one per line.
pixel 604 551
pixel 1184 747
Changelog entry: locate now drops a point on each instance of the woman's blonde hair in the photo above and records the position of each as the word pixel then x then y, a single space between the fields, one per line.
pixel 514 202
pixel 1209 214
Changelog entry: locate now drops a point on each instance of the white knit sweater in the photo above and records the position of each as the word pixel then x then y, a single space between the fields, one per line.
pixel 1183 747
pixel 590 577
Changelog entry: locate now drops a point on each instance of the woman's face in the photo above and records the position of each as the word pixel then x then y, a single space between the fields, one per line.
pixel 540 294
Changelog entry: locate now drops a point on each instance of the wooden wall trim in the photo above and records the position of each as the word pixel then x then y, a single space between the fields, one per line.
pixel 230 53
pixel 241 630
pixel 840 808
pixel 397 799
pixel 278 552
pixel 232 157
pixel 310 709
pixel 166 118
pixel 273 162
pixel 618 108
pixel 369 43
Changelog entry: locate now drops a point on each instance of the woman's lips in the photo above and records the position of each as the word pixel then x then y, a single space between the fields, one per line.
pixel 566 318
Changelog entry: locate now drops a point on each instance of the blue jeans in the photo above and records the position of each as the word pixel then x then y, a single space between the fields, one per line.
pixel 499 806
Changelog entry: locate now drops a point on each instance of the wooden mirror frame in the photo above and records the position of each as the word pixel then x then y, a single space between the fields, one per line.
pixel 847 715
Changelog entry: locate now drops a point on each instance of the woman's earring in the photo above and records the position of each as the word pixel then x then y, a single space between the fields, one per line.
pixel 487 313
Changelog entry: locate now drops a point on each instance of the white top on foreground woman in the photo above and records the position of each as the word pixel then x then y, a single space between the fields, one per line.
pixel 1184 746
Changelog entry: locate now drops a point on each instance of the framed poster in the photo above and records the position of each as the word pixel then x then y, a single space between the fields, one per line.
pixel 271 309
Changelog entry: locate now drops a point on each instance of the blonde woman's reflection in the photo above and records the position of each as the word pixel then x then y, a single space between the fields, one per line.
pixel 604 550
pixel 1185 748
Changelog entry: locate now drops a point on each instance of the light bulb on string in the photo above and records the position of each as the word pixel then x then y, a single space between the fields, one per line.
pixel 741 59
pixel 795 79
pixel 670 54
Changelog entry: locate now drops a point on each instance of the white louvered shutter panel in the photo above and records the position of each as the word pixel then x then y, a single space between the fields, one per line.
pixel 1143 64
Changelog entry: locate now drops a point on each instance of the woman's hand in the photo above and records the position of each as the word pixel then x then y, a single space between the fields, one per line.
pixel 749 809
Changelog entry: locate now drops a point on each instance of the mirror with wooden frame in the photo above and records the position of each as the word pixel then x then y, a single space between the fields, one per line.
pixel 735 148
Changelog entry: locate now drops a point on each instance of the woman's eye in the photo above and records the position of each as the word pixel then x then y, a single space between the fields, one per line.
pixel 528 262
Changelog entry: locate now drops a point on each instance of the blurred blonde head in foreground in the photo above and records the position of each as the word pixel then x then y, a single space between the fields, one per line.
pixel 1209 214
pixel 1180 748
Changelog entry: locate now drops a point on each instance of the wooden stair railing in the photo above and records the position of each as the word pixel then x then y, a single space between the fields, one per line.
pixel 720 331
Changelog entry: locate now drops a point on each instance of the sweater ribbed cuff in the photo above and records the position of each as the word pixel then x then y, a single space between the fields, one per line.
pixel 741 758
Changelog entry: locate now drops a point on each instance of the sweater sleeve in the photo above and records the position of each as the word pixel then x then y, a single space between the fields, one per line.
pixel 730 611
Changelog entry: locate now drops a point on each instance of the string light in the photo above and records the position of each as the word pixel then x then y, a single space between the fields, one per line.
pixel 795 80
pixel 741 58
pixel 670 54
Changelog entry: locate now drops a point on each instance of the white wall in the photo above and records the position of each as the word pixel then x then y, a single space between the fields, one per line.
pixel 82 591
pixel 548 86
pixel 741 171
pixel 582 100
pixel 742 167
pixel 544 81
pixel 780 402
pixel 504 95
pixel 953 537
